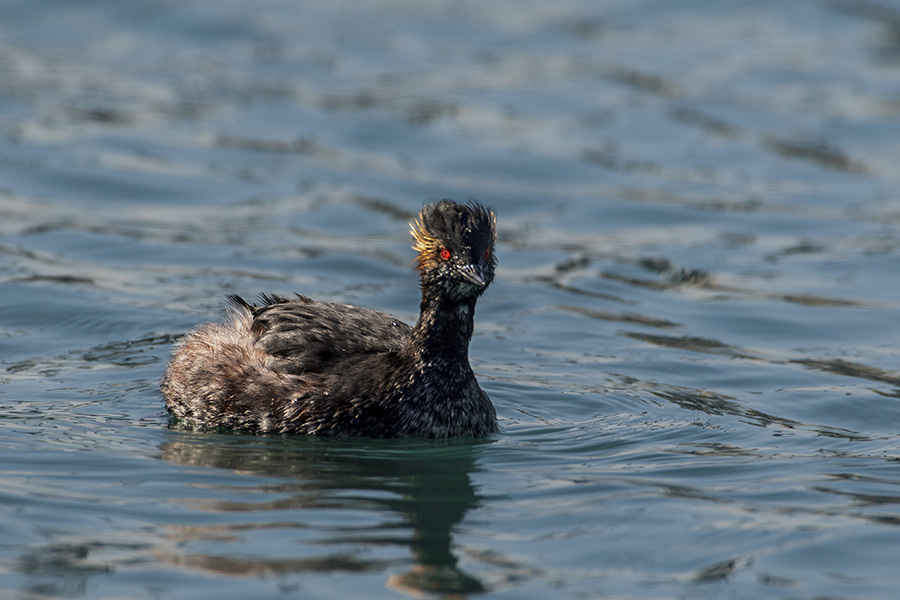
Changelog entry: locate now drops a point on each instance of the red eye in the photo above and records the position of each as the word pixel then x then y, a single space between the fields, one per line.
pixel 487 254
pixel 445 254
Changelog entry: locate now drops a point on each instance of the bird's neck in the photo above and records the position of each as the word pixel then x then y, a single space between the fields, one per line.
pixel 443 331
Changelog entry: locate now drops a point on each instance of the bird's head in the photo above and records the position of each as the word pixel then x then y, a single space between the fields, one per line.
pixel 455 248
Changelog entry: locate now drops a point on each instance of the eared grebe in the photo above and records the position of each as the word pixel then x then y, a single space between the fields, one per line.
pixel 322 368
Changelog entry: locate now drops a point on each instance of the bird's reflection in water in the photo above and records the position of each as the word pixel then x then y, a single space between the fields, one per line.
pixel 425 485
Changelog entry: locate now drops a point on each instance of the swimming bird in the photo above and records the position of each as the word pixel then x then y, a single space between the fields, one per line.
pixel 320 368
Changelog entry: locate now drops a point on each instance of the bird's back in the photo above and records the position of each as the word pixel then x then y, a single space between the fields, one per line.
pixel 302 335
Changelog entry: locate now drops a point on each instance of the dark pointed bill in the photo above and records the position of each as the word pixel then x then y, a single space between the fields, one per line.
pixel 472 274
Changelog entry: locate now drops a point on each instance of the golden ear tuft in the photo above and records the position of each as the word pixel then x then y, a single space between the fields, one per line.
pixel 493 227
pixel 423 243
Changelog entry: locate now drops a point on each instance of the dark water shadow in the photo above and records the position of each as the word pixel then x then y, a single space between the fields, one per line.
pixel 717 404
pixel 425 485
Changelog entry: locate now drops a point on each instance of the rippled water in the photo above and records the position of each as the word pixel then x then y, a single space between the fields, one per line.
pixel 691 341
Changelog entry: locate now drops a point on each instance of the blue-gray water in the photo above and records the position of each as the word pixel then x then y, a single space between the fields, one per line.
pixel 691 342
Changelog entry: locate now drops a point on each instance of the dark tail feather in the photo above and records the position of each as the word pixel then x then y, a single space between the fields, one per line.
pixel 269 299
pixel 266 299
pixel 239 303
